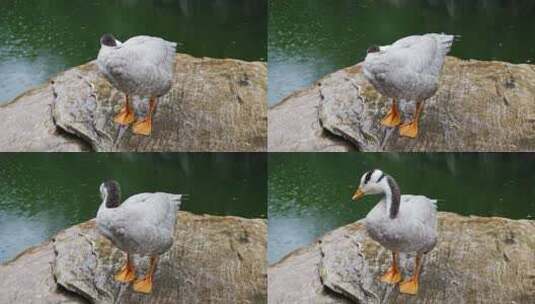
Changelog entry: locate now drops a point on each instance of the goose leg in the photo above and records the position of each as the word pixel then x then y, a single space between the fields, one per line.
pixel 145 285
pixel 410 129
pixel 410 286
pixel 127 273
pixel 126 115
pixel 144 126
pixel 392 276
pixel 392 119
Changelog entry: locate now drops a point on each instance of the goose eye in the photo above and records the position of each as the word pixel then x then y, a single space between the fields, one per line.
pixel 367 177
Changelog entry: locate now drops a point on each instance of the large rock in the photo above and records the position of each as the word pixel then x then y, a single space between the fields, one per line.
pixel 213 260
pixel 477 260
pixel 214 105
pixel 294 126
pixel 27 125
pixel 480 106
pixel 29 279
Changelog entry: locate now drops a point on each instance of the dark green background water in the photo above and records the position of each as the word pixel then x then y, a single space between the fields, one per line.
pixel 310 193
pixel 311 38
pixel 43 193
pixel 39 38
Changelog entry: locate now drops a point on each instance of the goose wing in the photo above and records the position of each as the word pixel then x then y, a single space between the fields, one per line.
pixel 443 45
pixel 145 222
pixel 418 221
pixel 125 68
pixel 152 51
pixel 141 64
pixel 151 210
pixel 423 54
pixel 413 53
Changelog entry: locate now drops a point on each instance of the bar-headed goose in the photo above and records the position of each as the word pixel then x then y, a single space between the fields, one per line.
pixel 143 66
pixel 400 223
pixel 143 224
pixel 408 69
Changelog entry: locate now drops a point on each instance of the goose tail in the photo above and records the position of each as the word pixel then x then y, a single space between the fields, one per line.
pixel 177 199
pixel 170 54
pixel 443 47
pixel 445 42
pixel 172 46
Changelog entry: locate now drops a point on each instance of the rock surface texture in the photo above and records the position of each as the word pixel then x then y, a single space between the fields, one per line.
pixel 213 260
pixel 214 105
pixel 477 260
pixel 479 106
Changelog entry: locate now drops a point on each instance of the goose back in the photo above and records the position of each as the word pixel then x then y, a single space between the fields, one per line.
pixel 143 224
pixel 409 68
pixel 142 65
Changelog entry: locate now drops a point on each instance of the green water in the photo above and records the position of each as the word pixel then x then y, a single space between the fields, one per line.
pixel 311 38
pixel 39 38
pixel 310 193
pixel 43 193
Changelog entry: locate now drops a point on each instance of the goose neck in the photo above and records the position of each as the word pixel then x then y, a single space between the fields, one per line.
pixel 392 197
pixel 111 196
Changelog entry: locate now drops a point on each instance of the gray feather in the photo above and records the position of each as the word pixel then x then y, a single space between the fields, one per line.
pixel 142 65
pixel 409 68
pixel 143 224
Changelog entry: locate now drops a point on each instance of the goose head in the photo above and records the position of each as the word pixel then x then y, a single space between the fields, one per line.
pixel 376 182
pixel 110 192
pixel 373 49
pixel 373 52
pixel 108 40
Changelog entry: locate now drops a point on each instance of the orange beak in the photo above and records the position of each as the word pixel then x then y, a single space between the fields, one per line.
pixel 358 194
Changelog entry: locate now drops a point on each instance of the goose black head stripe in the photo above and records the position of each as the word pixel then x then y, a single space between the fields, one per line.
pixel 114 194
pixel 108 40
pixel 396 197
pixel 373 49
pixel 381 177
